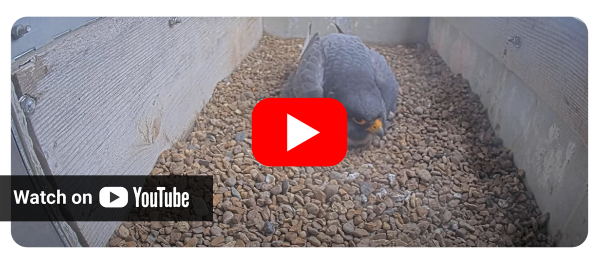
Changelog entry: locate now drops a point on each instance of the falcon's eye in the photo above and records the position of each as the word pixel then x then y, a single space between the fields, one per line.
pixel 360 122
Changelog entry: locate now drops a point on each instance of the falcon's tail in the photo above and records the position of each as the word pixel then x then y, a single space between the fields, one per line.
pixel 338 28
pixel 307 40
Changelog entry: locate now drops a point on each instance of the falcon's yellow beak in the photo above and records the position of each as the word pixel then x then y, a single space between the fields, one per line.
pixel 376 128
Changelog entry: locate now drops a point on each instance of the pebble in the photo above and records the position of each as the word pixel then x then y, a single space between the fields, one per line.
pixel 123 232
pixel 312 208
pixel 235 193
pixel 446 216
pixel 363 198
pixel 330 190
pixel 392 179
pixel 268 228
pixel 424 175
pixel 421 211
pixel 228 218
pixel 359 232
pixel 277 189
pixel 230 182
pixel 418 110
pixel 352 176
pixel 365 188
pixel 215 231
pixel 276 243
pixel 348 228
pixel 113 242
pixel 240 136
pixel 336 175
pixel 511 229
pixel 285 185
pixel 314 241
pixel 269 178
pixel 382 193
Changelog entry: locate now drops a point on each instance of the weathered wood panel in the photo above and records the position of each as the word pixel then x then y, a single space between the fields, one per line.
pixel 552 59
pixel 26 148
pixel 112 95
pixel 553 156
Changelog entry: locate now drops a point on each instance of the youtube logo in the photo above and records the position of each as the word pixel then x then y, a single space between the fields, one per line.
pixel 113 197
pixel 299 132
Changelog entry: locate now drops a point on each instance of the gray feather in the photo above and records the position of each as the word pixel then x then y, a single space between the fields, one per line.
pixel 307 81
pixel 307 40
pixel 386 81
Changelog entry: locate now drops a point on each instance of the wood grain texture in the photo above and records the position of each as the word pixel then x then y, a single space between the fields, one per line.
pixel 113 95
pixel 22 134
pixel 552 59
pixel 25 144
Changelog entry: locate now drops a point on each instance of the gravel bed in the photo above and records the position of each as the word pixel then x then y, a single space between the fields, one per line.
pixel 439 178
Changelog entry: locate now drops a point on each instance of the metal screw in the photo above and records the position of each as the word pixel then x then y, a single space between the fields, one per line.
pixel 173 21
pixel 27 104
pixel 19 30
pixel 515 40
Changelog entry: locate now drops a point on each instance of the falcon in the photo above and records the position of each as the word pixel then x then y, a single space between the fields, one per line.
pixel 342 67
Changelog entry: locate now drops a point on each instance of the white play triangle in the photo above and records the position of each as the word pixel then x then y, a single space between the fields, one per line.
pixel 298 132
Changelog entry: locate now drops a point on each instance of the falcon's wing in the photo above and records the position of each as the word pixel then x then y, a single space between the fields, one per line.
pixel 384 77
pixel 307 81
pixel 386 80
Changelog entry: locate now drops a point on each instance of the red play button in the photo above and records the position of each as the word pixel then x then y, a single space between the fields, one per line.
pixel 299 132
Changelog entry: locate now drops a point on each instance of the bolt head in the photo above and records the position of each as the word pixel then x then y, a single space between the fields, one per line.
pixel 27 104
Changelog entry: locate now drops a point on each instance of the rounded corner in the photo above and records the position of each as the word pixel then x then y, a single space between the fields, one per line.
pixel 254 152
pixel 11 235
pixel 15 242
pixel 342 155
pixel 258 104
pixel 338 103
pixel 256 157
pixel 588 235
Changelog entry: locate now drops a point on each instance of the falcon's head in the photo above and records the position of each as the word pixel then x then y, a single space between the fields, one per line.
pixel 366 114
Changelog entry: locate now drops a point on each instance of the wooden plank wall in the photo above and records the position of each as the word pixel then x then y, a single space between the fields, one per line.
pixel 113 95
pixel 552 59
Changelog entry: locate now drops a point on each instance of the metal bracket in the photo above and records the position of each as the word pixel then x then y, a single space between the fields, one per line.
pixel 32 33
pixel 515 40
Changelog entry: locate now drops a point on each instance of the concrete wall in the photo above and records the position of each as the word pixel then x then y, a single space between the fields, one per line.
pixel 382 30
pixel 544 143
